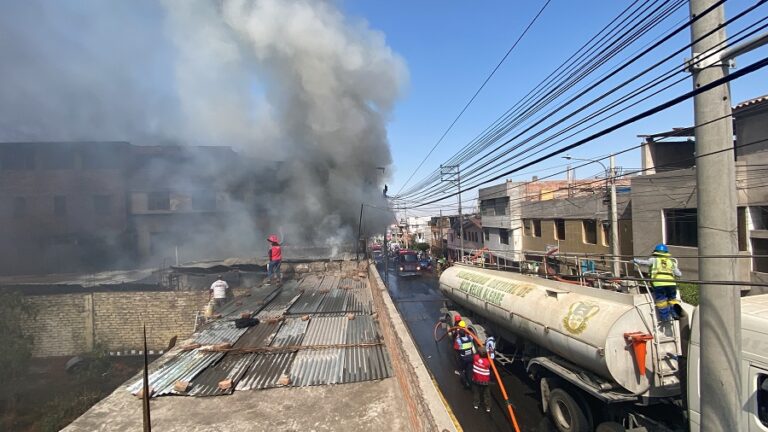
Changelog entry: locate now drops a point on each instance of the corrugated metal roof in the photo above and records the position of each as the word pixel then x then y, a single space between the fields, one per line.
pixel 266 370
pixel 751 102
pixel 230 367
pixel 328 299
pixel 325 366
pixel 260 335
pixel 219 332
pixel 309 302
pixel 185 367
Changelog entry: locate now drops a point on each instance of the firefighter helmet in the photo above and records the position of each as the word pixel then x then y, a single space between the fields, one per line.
pixel 272 239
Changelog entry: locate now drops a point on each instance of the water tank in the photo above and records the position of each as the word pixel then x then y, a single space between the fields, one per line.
pixel 584 325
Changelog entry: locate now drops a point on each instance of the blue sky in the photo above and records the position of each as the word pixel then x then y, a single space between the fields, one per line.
pixel 451 46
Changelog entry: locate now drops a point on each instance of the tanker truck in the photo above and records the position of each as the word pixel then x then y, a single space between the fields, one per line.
pixel 601 358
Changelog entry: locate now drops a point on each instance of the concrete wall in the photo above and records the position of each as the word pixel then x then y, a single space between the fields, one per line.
pixel 426 409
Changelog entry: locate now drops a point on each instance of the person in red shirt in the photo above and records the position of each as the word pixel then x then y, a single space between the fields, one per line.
pixel 275 258
pixel 481 379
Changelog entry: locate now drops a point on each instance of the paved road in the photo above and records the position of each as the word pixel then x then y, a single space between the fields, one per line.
pixel 419 300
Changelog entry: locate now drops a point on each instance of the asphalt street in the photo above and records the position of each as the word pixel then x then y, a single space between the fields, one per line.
pixel 419 300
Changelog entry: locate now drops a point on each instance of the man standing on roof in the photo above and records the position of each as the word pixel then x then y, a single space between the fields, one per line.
pixel 481 379
pixel 464 349
pixel 275 258
pixel 219 293
pixel 663 270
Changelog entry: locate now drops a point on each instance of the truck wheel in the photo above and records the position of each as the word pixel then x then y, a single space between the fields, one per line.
pixel 566 413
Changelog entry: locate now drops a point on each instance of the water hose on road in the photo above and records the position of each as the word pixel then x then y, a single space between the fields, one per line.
pixel 434 332
pixel 477 340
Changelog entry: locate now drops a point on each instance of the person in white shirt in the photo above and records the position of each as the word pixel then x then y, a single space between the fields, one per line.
pixel 219 292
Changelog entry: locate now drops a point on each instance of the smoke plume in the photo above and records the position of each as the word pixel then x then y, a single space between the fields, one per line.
pixel 301 91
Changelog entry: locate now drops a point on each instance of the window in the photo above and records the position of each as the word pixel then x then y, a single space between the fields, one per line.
pixel 57 158
pixel 536 227
pixel 19 207
pixel 204 200
pixel 486 234
pixel 59 205
pixel 494 207
pixel 606 233
pixel 560 229
pixel 17 159
pixel 741 224
pixel 762 398
pixel 504 236
pixel 102 157
pixel 159 201
pixel 102 205
pixel 760 250
pixel 681 227
pixel 589 228
pixel 527 228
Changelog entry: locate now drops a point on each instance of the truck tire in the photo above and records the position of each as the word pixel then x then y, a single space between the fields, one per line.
pixel 567 415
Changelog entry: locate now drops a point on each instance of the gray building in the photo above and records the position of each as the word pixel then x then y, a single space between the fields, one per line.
pixel 664 199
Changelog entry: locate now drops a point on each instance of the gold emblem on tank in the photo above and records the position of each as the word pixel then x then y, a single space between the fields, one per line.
pixel 578 315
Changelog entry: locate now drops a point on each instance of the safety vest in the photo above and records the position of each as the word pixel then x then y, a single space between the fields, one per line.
pixel 463 345
pixel 662 270
pixel 481 370
pixel 275 253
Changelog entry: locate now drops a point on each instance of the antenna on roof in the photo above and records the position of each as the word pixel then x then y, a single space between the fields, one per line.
pixel 145 388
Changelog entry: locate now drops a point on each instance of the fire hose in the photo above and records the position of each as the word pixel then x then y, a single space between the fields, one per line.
pixel 477 341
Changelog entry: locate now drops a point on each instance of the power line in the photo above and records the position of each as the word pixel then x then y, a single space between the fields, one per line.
pixel 530 24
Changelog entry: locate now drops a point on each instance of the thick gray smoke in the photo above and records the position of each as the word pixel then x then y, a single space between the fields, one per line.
pixel 296 86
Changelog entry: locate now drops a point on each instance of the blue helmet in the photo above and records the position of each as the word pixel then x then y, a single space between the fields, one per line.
pixel 661 247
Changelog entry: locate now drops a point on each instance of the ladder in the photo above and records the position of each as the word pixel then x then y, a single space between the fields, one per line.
pixel 665 343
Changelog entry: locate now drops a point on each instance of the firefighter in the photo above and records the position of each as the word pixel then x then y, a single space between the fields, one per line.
pixel 275 258
pixel 464 349
pixel 663 270
pixel 481 379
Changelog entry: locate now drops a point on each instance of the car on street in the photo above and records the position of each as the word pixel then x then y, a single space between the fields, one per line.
pixel 408 263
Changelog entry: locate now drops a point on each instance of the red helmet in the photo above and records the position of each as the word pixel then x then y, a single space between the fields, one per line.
pixel 272 239
pixel 456 318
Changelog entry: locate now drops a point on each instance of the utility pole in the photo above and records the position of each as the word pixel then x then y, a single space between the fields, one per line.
pixel 614 219
pixel 442 247
pixel 720 305
pixel 359 234
pixel 448 173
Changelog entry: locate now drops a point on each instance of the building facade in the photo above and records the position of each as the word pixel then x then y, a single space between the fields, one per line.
pixel 664 208
pixel 72 207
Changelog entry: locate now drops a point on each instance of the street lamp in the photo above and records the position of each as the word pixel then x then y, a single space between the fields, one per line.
pixel 611 180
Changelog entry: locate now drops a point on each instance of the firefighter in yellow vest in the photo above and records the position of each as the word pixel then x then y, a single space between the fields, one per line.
pixel 663 270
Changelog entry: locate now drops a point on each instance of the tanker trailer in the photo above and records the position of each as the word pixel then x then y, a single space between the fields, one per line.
pixel 576 341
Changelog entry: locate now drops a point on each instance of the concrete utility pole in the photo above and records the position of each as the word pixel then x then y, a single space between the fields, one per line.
pixel 615 251
pixel 719 305
pixel 447 173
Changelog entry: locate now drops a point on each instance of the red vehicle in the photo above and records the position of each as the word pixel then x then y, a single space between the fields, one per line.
pixel 408 263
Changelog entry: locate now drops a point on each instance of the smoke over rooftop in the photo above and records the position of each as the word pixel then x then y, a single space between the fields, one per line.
pixel 292 84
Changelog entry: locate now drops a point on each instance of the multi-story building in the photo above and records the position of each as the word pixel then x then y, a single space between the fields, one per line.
pixel 664 208
pixel 63 206
pixel 521 219
pixel 88 206
pixel 473 237
pixel 439 226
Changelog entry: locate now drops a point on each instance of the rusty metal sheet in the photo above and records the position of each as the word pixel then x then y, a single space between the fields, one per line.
pixel 260 335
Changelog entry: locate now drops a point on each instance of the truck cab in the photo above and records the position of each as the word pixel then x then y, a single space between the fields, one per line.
pixel 754 366
pixel 408 263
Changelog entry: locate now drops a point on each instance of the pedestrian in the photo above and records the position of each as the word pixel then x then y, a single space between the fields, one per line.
pixel 219 293
pixel 464 349
pixel 275 258
pixel 481 379
pixel 490 346
pixel 663 270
